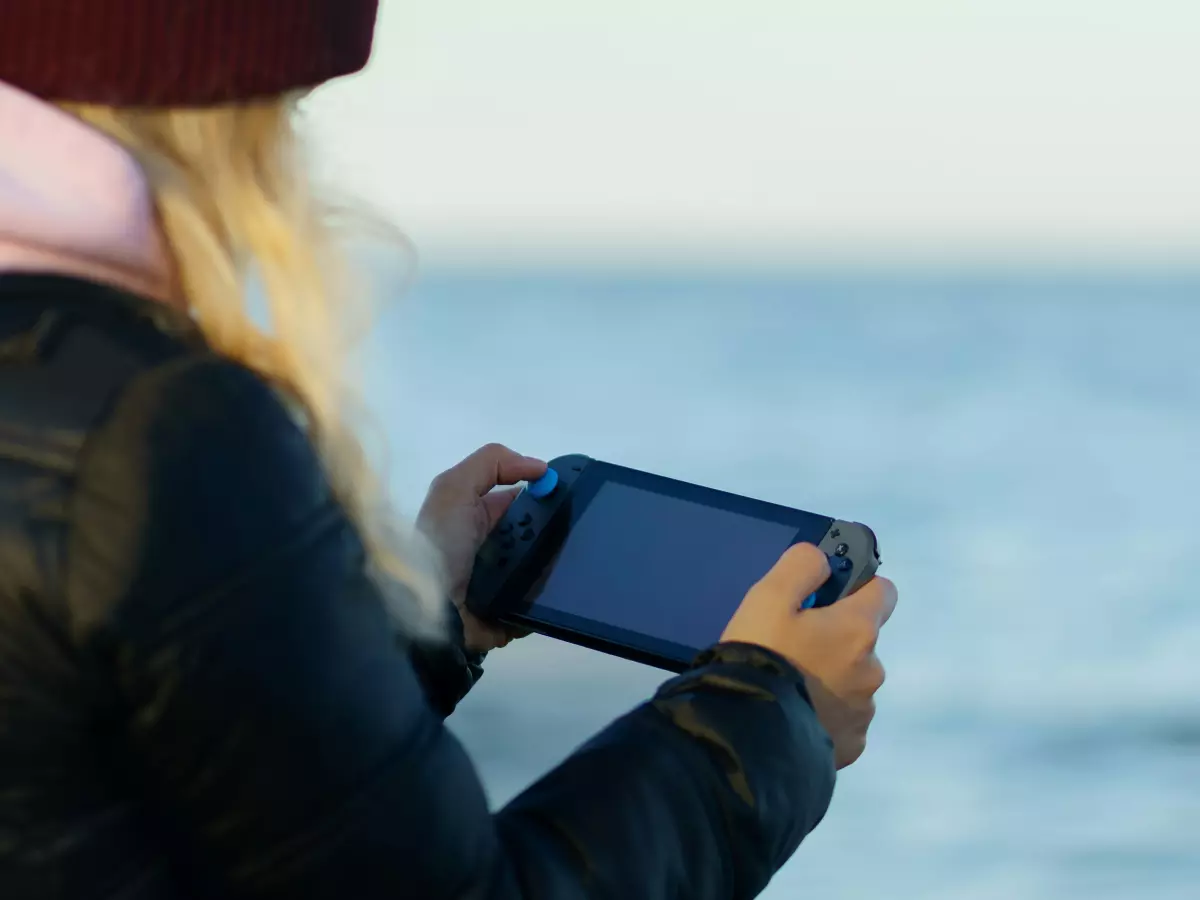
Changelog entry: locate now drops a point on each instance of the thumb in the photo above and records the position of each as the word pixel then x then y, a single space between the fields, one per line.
pixel 800 571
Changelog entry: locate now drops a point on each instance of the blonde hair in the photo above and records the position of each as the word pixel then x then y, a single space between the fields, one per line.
pixel 234 197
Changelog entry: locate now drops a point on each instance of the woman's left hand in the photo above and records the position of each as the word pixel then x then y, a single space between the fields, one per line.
pixel 460 511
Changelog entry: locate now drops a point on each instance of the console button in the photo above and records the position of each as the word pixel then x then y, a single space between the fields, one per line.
pixel 544 486
pixel 841 564
pixel 527 534
pixel 525 520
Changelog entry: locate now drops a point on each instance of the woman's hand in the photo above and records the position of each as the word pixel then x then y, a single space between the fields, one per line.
pixel 833 647
pixel 460 510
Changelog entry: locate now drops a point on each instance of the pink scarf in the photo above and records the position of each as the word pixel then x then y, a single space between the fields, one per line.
pixel 73 202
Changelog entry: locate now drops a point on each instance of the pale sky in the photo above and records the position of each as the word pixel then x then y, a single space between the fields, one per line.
pixel 779 130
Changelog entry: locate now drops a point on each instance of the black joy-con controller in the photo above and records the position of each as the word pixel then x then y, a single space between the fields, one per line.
pixel 524 534
pixel 853 555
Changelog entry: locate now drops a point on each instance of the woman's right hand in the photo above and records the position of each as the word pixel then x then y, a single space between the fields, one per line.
pixel 833 647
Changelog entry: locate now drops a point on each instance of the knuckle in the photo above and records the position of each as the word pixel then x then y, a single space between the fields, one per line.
pixel 889 595
pixel 854 750
pixel 867 641
pixel 876 598
pixel 869 710
pixel 875 674
pixel 862 637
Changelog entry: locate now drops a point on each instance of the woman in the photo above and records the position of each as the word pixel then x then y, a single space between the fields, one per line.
pixel 202 692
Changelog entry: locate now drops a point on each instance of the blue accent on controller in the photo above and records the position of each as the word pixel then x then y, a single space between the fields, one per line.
pixel 840 569
pixel 544 486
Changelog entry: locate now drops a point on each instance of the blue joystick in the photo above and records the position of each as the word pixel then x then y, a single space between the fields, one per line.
pixel 544 486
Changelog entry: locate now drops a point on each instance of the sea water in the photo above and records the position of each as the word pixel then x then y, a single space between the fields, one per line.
pixel 1027 448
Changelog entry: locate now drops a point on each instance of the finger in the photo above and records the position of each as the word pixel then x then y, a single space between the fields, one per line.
pixel 495 464
pixel 800 571
pixel 876 599
pixel 496 504
pixel 874 674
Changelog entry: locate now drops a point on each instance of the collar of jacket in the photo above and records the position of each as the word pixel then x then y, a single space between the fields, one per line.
pixel 74 202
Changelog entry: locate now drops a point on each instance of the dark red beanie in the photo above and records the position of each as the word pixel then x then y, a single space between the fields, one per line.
pixel 180 52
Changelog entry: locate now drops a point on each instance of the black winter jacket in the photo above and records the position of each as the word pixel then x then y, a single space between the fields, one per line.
pixel 200 694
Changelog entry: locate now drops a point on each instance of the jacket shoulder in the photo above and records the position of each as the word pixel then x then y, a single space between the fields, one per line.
pixel 198 474
pixel 67 349
pixel 121 426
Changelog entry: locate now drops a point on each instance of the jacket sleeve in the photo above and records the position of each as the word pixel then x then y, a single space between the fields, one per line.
pixel 446 669
pixel 289 748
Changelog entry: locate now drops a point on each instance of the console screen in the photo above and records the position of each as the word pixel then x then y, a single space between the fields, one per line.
pixel 662 566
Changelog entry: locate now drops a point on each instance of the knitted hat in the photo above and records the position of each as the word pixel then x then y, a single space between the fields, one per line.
pixel 180 52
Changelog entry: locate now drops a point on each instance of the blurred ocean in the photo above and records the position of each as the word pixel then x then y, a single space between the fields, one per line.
pixel 1027 449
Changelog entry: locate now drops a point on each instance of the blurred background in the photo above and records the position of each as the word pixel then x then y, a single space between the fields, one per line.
pixel 927 264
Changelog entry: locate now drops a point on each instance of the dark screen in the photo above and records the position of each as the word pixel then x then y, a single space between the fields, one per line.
pixel 661 566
